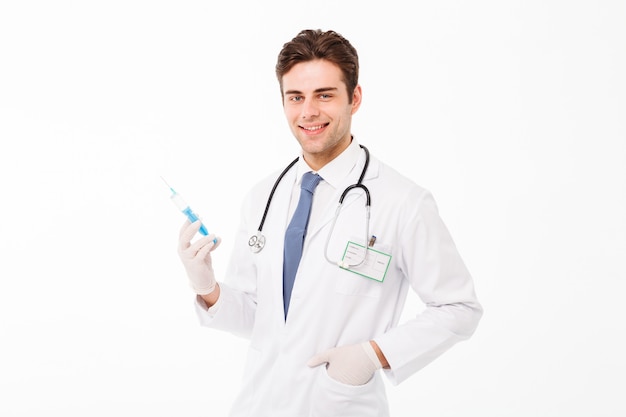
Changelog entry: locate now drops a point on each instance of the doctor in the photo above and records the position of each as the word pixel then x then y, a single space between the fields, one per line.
pixel 320 346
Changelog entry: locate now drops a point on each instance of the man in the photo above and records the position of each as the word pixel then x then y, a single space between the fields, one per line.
pixel 318 342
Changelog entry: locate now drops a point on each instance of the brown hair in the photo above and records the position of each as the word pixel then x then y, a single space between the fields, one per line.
pixel 310 45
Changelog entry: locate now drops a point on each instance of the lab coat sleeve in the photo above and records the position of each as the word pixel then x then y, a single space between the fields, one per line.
pixel 228 313
pixel 236 307
pixel 436 272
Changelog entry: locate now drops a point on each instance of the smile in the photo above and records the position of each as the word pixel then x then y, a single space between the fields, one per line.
pixel 313 128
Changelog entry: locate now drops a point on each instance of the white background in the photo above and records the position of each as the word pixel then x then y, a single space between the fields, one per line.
pixel 511 112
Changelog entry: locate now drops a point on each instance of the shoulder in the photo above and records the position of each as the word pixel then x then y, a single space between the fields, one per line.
pixel 397 195
pixel 394 183
pixel 264 185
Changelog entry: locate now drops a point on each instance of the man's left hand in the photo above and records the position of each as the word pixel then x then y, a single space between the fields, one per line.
pixel 351 365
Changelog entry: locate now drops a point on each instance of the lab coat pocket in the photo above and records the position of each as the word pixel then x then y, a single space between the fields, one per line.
pixel 332 398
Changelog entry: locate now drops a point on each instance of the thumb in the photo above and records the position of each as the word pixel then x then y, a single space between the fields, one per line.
pixel 319 359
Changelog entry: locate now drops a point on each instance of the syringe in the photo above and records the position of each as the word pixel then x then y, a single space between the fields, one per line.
pixel 186 210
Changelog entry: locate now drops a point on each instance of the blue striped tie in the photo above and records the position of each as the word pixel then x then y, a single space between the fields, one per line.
pixel 294 236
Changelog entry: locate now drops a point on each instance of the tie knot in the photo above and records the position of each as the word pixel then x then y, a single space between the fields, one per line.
pixel 310 181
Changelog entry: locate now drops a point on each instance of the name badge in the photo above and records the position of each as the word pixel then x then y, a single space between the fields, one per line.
pixel 374 266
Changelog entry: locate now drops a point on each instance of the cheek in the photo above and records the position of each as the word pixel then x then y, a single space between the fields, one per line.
pixel 291 113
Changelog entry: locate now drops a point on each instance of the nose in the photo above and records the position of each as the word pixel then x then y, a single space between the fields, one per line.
pixel 309 110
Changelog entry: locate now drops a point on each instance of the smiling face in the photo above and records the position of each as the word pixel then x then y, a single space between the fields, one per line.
pixel 319 110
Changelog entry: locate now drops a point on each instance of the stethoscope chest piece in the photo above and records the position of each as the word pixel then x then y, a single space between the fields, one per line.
pixel 256 242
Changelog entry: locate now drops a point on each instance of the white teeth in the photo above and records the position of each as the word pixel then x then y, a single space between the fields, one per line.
pixel 313 128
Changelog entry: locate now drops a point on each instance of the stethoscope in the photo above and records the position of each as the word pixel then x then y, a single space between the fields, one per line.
pixel 257 241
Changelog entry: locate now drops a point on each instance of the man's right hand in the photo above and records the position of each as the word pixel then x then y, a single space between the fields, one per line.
pixel 196 257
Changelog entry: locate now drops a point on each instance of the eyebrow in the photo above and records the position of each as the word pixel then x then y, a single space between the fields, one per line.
pixel 317 91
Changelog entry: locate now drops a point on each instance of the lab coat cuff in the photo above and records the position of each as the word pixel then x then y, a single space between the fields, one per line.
pixel 211 311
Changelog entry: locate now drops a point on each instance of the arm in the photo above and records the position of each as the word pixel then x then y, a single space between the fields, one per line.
pixel 380 355
pixel 211 299
pixel 430 261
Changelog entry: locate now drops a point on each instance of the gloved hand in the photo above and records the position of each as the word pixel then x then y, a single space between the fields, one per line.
pixel 352 364
pixel 196 257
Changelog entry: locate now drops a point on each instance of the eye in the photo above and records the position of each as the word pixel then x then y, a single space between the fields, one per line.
pixel 296 99
pixel 325 96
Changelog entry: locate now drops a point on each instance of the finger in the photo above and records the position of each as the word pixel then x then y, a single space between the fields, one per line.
pixel 184 227
pixel 201 243
pixel 206 245
pixel 187 232
pixel 215 239
pixel 318 359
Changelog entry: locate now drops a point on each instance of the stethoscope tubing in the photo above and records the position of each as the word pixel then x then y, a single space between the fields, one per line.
pixel 269 199
pixel 257 241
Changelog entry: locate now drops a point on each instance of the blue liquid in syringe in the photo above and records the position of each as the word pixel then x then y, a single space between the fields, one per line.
pixel 185 209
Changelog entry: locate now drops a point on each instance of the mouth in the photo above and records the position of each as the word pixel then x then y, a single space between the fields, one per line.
pixel 314 129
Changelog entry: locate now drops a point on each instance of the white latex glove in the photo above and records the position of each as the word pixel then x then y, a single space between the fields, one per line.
pixel 196 257
pixel 351 365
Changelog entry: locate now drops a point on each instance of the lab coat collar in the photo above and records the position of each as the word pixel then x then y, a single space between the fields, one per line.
pixel 336 171
pixel 340 173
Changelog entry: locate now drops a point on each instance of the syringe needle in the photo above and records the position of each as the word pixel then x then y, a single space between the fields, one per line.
pixel 168 186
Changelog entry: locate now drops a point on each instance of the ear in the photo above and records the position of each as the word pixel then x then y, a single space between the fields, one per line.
pixel 356 99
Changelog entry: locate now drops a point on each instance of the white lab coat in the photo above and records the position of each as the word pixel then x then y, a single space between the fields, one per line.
pixel 333 307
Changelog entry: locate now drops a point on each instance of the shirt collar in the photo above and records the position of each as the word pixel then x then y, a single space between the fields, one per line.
pixel 334 172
